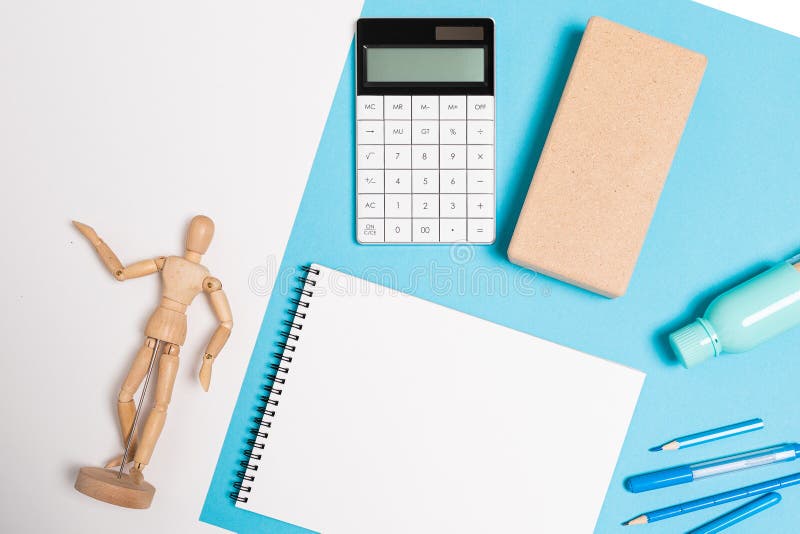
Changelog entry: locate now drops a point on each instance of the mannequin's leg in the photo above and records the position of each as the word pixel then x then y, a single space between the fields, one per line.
pixel 126 407
pixel 167 371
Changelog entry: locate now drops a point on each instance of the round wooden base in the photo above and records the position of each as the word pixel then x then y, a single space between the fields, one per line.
pixel 103 485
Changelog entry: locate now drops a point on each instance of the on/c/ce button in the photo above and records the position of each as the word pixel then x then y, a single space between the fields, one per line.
pixel 370 231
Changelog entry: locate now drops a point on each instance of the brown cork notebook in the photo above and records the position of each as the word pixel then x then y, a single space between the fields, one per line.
pixel 606 157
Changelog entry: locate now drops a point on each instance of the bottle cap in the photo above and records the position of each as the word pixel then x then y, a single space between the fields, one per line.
pixel 693 343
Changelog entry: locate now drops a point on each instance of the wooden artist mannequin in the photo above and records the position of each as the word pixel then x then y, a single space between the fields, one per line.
pixel 183 278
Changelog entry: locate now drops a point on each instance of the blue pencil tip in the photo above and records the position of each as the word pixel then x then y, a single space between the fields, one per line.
pixel 656 449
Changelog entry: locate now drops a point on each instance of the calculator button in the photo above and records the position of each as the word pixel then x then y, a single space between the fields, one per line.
pixel 480 157
pixel 452 107
pixel 398 132
pixel 424 132
pixel 370 181
pixel 480 107
pixel 398 156
pixel 453 181
pixel 453 205
pixel 398 181
pixel 453 230
pixel 370 132
pixel 452 156
pixel 480 181
pixel 480 230
pixel 370 156
pixel 398 205
pixel 397 107
pixel 425 181
pixel 425 107
pixel 369 107
pixel 398 230
pixel 425 205
pixel 370 231
pixel 480 132
pixel 480 205
pixel 370 205
pixel 425 230
pixel 425 157
pixel 453 132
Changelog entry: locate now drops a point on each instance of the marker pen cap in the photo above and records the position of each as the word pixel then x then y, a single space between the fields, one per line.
pixel 659 479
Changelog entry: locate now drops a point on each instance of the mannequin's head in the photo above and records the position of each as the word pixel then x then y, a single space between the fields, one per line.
pixel 201 231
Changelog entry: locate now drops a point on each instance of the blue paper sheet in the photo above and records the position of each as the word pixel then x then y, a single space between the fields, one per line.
pixel 728 210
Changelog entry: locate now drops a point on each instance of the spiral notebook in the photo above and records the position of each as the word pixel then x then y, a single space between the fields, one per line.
pixel 391 414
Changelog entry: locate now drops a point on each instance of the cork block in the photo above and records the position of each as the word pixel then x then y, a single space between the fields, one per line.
pixel 606 158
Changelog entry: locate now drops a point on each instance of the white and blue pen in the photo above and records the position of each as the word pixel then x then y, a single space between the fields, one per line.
pixel 687 473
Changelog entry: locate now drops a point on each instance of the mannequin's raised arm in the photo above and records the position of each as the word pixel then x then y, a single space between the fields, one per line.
pixel 112 263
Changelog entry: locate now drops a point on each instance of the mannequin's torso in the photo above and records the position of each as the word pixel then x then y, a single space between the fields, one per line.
pixel 182 281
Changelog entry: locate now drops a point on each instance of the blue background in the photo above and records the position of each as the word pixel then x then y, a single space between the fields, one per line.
pixel 729 209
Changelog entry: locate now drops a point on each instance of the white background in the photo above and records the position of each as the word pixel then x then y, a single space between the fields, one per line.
pixel 132 117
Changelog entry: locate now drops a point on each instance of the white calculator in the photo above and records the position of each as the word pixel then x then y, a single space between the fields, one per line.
pixel 425 131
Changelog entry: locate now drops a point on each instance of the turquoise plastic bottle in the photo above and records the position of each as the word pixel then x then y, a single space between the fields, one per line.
pixel 744 316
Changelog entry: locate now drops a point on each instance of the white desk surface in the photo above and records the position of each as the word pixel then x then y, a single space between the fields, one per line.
pixel 133 117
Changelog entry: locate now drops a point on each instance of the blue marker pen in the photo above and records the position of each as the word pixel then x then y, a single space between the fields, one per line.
pixel 687 473
pixel 715 500
pixel 740 514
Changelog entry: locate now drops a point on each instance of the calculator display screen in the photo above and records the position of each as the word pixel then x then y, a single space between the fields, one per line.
pixel 425 64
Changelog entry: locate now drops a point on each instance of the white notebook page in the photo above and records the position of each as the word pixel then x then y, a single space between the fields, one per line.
pixel 402 416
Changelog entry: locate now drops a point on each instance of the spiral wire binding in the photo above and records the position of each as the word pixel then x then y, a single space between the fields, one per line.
pixel 278 368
